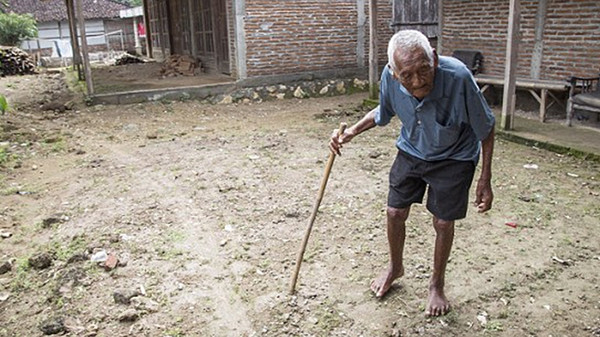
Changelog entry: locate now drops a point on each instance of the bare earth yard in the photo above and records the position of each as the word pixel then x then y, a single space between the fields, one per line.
pixel 205 207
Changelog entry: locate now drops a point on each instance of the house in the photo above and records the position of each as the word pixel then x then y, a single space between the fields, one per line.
pixel 105 30
pixel 254 39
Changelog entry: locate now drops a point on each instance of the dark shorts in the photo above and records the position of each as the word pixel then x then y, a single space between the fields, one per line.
pixel 449 182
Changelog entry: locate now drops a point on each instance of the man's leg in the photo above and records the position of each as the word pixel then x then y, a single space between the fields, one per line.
pixel 396 233
pixel 438 304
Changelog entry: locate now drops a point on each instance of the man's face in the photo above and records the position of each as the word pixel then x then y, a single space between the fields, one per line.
pixel 414 72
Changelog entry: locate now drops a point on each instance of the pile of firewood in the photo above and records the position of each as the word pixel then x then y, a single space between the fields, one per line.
pixel 127 58
pixel 176 65
pixel 14 61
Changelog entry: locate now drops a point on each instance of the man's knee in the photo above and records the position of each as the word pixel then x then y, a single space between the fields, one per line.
pixel 442 225
pixel 398 214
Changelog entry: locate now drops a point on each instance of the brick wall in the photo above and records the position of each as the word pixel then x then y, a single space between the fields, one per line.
pixel 571 35
pixel 297 36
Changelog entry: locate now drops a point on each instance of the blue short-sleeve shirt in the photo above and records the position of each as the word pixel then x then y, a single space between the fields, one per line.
pixel 449 123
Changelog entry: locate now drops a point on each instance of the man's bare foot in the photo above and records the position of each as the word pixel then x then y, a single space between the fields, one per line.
pixel 382 284
pixel 438 304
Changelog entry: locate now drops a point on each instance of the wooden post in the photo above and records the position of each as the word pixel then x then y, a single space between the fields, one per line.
pixel 74 40
pixel 538 47
pixel 510 66
pixel 373 67
pixel 192 28
pixel 84 49
pixel 440 47
pixel 147 27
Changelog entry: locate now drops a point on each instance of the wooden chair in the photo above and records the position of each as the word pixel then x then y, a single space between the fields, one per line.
pixel 584 95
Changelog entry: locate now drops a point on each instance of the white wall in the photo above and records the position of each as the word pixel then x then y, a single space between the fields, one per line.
pixel 48 32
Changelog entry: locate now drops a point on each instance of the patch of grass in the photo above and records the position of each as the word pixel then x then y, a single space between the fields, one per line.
pixel 21 281
pixel 494 326
pixel 175 236
pixel 3 102
pixel 6 156
pixel 64 252
pixel 173 333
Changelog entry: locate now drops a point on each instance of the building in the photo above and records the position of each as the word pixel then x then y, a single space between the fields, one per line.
pixel 105 30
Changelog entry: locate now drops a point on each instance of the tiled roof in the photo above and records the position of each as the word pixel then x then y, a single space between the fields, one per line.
pixel 56 10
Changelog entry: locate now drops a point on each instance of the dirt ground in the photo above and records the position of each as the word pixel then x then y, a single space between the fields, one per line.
pixel 205 207
pixel 140 76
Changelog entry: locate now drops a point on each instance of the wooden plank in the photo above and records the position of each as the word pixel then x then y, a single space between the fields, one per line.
pixel 84 49
pixel 538 47
pixel 543 105
pixel 440 18
pixel 526 83
pixel 373 67
pixel 510 67
pixel 74 39
pixel 148 30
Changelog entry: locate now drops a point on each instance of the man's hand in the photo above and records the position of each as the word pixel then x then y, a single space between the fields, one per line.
pixel 483 195
pixel 335 143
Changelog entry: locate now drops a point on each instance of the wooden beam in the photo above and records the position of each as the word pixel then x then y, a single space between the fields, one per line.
pixel 510 66
pixel 440 47
pixel 373 67
pixel 74 39
pixel 193 46
pixel 148 30
pixel 84 48
pixel 538 46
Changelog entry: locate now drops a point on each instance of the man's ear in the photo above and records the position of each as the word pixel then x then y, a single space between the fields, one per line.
pixel 435 58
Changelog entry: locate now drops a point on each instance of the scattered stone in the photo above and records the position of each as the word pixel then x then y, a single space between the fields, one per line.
pixel 53 326
pixel 374 154
pixel 144 304
pixel 482 318
pixel 129 315
pixel 5 267
pixel 111 262
pixel 123 296
pixel 54 219
pixel 340 87
pixel 299 93
pixel 5 235
pixel 100 256
pixel 227 99
pixel 561 261
pixel 4 296
pixel 41 261
pixel 152 136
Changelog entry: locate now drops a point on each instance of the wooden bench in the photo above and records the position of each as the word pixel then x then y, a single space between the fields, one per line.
pixel 545 88
pixel 584 95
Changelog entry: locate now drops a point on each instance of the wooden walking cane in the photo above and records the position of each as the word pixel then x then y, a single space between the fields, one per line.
pixel 314 213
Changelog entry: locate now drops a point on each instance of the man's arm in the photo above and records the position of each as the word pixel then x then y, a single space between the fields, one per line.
pixel 484 194
pixel 367 122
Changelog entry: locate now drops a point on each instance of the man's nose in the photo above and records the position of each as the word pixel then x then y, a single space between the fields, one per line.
pixel 416 81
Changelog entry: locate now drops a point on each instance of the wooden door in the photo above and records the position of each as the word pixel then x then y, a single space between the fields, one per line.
pixel 221 37
pixel 421 15
pixel 186 30
pixel 175 26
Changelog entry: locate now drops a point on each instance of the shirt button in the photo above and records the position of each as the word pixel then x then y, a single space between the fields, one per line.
pixel 419 122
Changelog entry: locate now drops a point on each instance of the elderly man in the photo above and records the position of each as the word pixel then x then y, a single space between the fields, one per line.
pixel 446 124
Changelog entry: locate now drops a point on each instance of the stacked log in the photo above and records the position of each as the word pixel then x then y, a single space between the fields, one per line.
pixel 14 61
pixel 176 65
pixel 127 58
